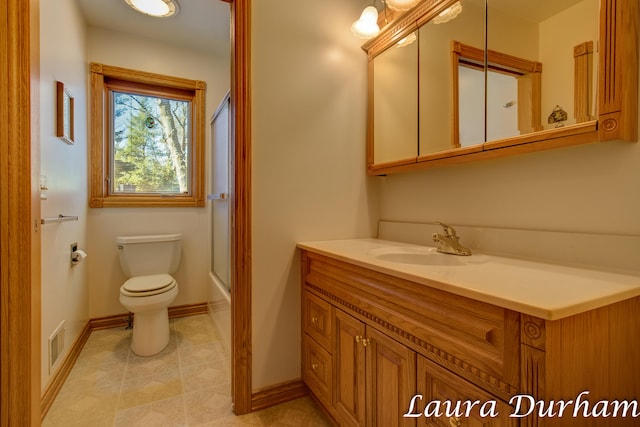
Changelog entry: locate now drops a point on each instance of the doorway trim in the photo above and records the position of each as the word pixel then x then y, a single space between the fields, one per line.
pixel 19 214
pixel 241 354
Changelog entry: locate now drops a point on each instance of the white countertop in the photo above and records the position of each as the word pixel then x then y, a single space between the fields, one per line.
pixel 548 291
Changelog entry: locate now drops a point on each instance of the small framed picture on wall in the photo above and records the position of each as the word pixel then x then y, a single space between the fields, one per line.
pixel 64 113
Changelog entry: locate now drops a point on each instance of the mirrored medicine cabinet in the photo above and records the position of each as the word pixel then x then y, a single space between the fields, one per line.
pixel 502 77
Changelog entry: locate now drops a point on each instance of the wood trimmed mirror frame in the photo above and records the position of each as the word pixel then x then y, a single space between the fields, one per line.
pixel 615 98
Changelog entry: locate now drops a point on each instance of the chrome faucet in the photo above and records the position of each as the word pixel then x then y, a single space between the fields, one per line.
pixel 448 243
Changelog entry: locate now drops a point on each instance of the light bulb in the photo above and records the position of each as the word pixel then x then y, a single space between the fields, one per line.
pixel 367 26
pixel 407 40
pixel 401 5
pixel 448 14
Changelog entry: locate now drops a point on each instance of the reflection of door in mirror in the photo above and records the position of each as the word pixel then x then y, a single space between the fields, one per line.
pixel 501 100
pixel 395 104
pixel 512 104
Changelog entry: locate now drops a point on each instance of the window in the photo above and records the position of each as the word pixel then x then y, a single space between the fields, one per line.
pixel 147 139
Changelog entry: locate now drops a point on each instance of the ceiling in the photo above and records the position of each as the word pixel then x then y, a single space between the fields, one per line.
pixel 200 24
pixel 204 24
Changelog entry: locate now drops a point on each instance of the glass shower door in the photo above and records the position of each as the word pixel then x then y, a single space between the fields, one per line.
pixel 221 204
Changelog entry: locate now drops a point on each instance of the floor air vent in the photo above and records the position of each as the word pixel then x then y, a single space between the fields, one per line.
pixel 56 346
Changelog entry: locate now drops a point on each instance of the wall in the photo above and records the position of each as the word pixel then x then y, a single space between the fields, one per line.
pixel 590 189
pixel 556 55
pixel 308 142
pixel 65 289
pixel 137 53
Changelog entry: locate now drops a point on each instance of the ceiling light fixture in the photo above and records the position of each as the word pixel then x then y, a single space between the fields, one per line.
pixel 448 14
pixel 156 8
pixel 367 26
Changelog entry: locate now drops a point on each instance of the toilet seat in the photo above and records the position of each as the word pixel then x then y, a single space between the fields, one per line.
pixel 144 286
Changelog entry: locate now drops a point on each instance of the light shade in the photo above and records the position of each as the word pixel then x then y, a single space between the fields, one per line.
pixel 407 40
pixel 401 5
pixel 448 14
pixel 157 8
pixel 367 26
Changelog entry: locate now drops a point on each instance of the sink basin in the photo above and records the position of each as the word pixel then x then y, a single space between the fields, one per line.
pixel 415 255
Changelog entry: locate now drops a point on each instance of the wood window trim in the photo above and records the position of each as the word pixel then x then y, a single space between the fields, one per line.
pixel 530 113
pixel 99 195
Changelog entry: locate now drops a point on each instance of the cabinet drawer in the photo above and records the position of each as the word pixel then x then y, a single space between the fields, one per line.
pixel 456 397
pixel 316 370
pixel 317 319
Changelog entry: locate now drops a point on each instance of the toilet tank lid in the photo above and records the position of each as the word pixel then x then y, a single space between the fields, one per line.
pixel 126 240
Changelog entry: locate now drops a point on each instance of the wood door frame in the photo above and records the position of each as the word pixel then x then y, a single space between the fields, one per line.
pixel 240 110
pixel 19 214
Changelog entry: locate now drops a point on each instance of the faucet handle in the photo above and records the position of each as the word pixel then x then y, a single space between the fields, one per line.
pixel 448 230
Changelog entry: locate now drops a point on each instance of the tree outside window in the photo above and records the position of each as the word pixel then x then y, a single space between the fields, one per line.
pixel 151 140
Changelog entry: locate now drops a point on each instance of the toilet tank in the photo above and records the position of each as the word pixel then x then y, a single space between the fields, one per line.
pixel 154 254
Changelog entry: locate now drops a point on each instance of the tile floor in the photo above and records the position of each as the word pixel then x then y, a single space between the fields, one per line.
pixel 187 384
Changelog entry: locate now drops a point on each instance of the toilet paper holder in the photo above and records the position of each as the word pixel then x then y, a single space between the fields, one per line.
pixel 77 255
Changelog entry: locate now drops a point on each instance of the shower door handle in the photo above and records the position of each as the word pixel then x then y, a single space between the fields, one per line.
pixel 217 196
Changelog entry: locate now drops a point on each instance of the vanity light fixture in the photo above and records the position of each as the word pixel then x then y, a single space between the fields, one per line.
pixel 401 5
pixel 156 8
pixel 407 40
pixel 448 14
pixel 367 26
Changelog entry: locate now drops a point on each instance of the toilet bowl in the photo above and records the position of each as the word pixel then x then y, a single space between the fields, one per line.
pixel 149 291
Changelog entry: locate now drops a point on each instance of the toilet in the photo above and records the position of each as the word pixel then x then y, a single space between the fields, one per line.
pixel 149 261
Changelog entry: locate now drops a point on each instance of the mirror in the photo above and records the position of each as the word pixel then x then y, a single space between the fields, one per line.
pixel 531 85
pixel 437 84
pixel 395 109
pixel 547 32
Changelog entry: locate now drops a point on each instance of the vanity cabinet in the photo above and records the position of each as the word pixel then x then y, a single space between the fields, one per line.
pixel 371 371
pixel 438 384
pixel 361 368
pixel 372 341
pixel 360 350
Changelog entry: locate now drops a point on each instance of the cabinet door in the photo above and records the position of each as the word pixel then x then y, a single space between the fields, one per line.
pixel 437 384
pixel 391 381
pixel 349 370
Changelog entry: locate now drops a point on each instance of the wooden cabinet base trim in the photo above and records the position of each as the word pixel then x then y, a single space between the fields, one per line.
pixel 488 382
pixel 277 394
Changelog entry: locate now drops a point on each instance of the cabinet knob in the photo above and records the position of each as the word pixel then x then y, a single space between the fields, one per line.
pixel 454 422
pixel 314 320
pixel 314 367
pixel 365 342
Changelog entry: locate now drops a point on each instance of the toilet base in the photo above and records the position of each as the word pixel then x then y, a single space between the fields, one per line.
pixel 150 332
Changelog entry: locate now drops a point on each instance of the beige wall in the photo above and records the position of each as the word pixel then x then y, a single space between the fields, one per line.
pixel 65 289
pixel 106 224
pixel 556 55
pixel 309 183
pixel 591 189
